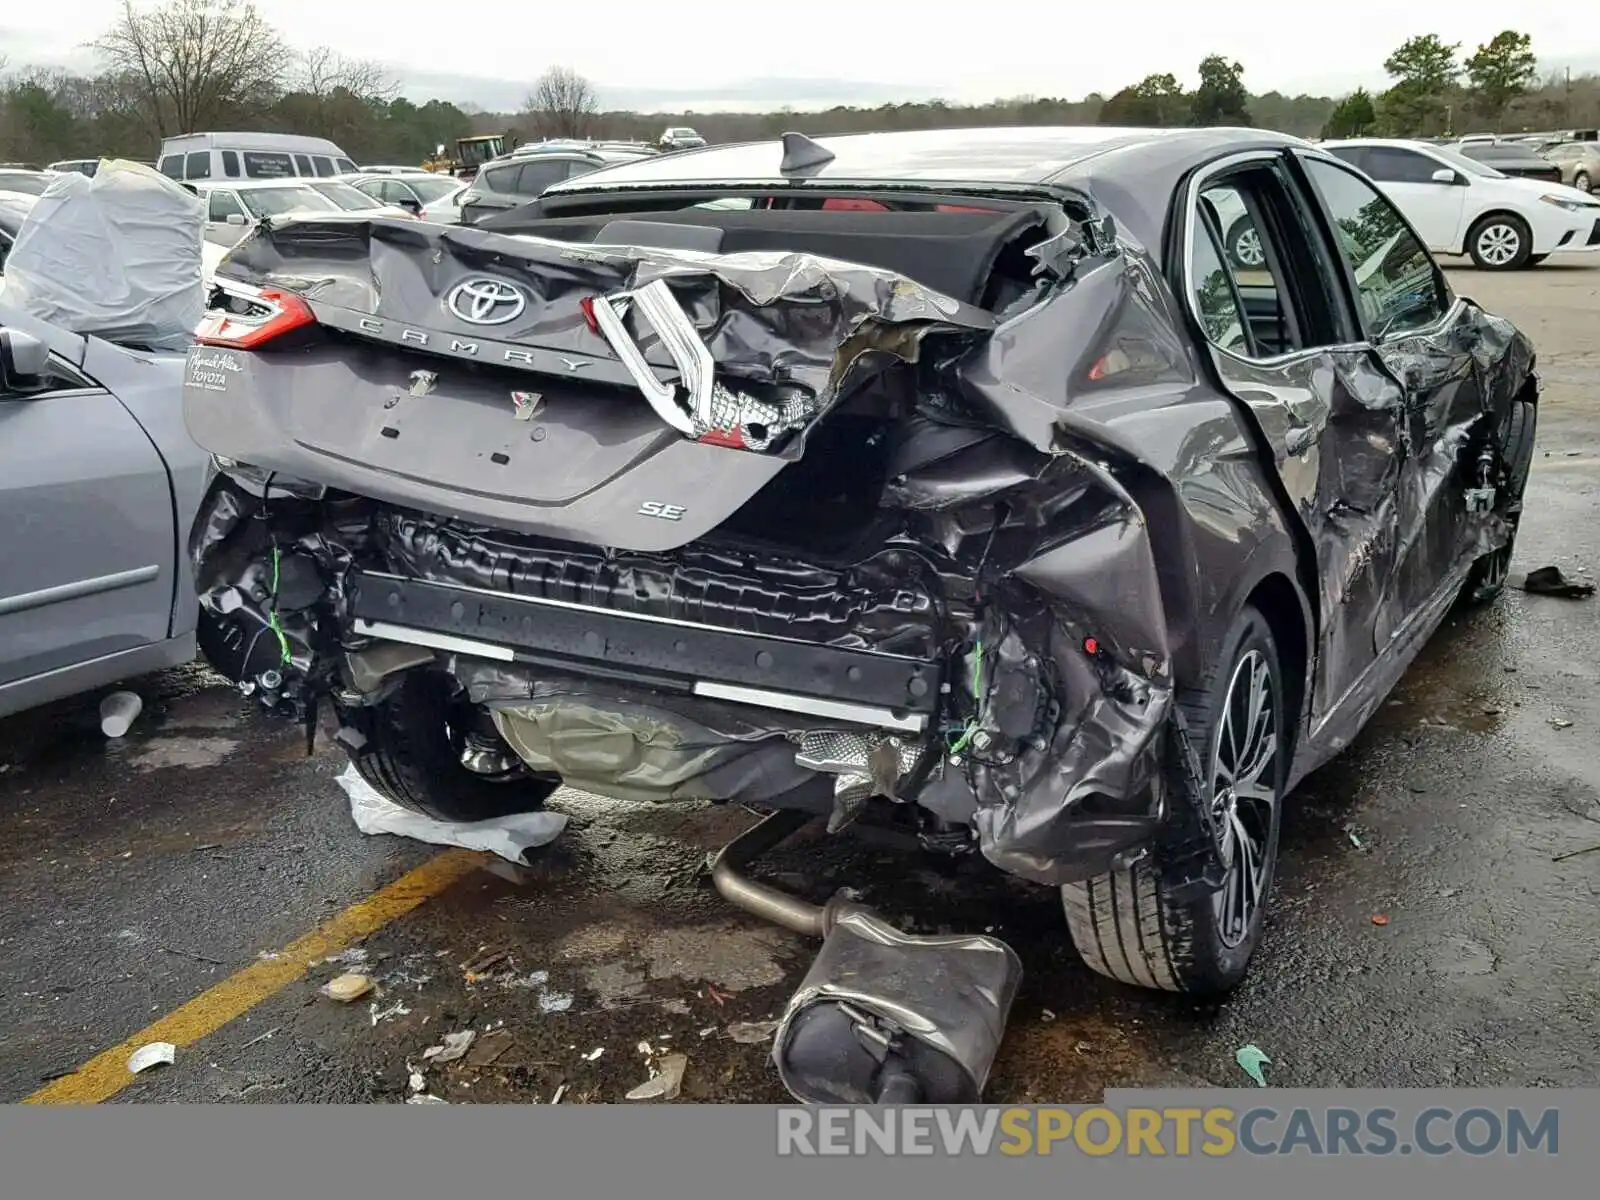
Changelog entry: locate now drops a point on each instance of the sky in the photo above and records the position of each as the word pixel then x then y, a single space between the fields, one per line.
pixel 745 54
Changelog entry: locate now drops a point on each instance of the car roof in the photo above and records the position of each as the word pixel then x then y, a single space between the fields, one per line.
pixel 253 184
pixel 1501 150
pixel 1132 173
pixel 1393 143
pixel 1025 154
pixel 286 143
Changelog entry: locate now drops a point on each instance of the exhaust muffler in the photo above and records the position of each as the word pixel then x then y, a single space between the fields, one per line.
pixel 882 1016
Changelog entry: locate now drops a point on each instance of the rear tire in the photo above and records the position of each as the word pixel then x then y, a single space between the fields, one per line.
pixel 416 739
pixel 1488 576
pixel 1125 923
pixel 1500 242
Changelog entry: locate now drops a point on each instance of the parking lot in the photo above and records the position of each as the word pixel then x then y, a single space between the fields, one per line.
pixel 1432 924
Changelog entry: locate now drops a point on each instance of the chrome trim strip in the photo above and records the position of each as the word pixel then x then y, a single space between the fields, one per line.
pixel 815 706
pixel 437 641
pixel 76 590
pixel 663 397
pixel 660 308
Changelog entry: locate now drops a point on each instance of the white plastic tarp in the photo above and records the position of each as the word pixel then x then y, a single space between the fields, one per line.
pixel 116 257
pixel 509 837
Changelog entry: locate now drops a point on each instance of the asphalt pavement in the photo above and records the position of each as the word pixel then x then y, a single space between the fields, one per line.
pixel 1434 920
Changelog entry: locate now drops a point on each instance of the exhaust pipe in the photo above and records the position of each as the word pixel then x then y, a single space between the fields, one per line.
pixel 768 903
pixel 882 1016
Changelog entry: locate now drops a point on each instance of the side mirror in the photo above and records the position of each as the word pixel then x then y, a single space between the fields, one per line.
pixel 411 206
pixel 23 360
pixel 235 218
pixel 1444 175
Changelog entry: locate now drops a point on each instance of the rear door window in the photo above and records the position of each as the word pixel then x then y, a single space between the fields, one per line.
pixel 1356 156
pixel 322 166
pixel 1216 300
pixel 1391 164
pixel 1239 276
pixel 197 165
pixel 536 176
pixel 230 164
pixel 500 179
pixel 302 164
pixel 172 166
pixel 261 165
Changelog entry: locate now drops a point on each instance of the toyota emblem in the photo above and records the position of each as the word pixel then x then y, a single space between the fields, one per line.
pixel 486 302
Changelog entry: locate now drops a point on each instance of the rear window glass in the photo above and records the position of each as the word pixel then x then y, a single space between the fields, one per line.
pixel 324 167
pixel 259 165
pixel 197 165
pixel 230 164
pixel 172 166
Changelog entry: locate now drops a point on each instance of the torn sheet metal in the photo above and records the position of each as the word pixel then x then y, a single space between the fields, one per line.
pixel 794 327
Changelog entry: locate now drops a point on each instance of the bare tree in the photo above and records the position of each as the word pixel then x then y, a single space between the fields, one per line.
pixel 323 71
pixel 196 62
pixel 562 103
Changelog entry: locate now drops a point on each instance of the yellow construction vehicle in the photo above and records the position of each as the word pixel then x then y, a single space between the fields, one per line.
pixel 471 153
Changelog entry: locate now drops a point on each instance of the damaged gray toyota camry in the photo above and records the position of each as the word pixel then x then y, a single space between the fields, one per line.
pixel 956 479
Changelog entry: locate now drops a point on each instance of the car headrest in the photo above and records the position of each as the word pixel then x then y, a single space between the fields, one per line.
pixel 661 234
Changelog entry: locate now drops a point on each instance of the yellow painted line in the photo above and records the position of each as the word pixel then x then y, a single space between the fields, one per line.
pixel 106 1074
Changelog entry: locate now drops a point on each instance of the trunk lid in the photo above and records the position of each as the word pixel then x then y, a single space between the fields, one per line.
pixel 624 395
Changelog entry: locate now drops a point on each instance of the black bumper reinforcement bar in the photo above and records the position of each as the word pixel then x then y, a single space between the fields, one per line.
pixel 859 686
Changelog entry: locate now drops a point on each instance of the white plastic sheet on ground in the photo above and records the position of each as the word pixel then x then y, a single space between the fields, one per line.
pixel 509 837
pixel 115 257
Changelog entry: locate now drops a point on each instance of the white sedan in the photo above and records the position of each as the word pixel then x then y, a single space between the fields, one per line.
pixel 425 194
pixel 1460 206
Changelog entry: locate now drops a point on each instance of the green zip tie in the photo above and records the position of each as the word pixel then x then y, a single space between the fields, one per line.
pixel 977 682
pixel 272 616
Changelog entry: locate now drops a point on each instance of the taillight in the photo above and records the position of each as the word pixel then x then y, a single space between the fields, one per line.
pixel 267 313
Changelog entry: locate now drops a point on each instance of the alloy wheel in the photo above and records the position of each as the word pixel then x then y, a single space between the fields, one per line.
pixel 1247 249
pixel 1244 794
pixel 1499 244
